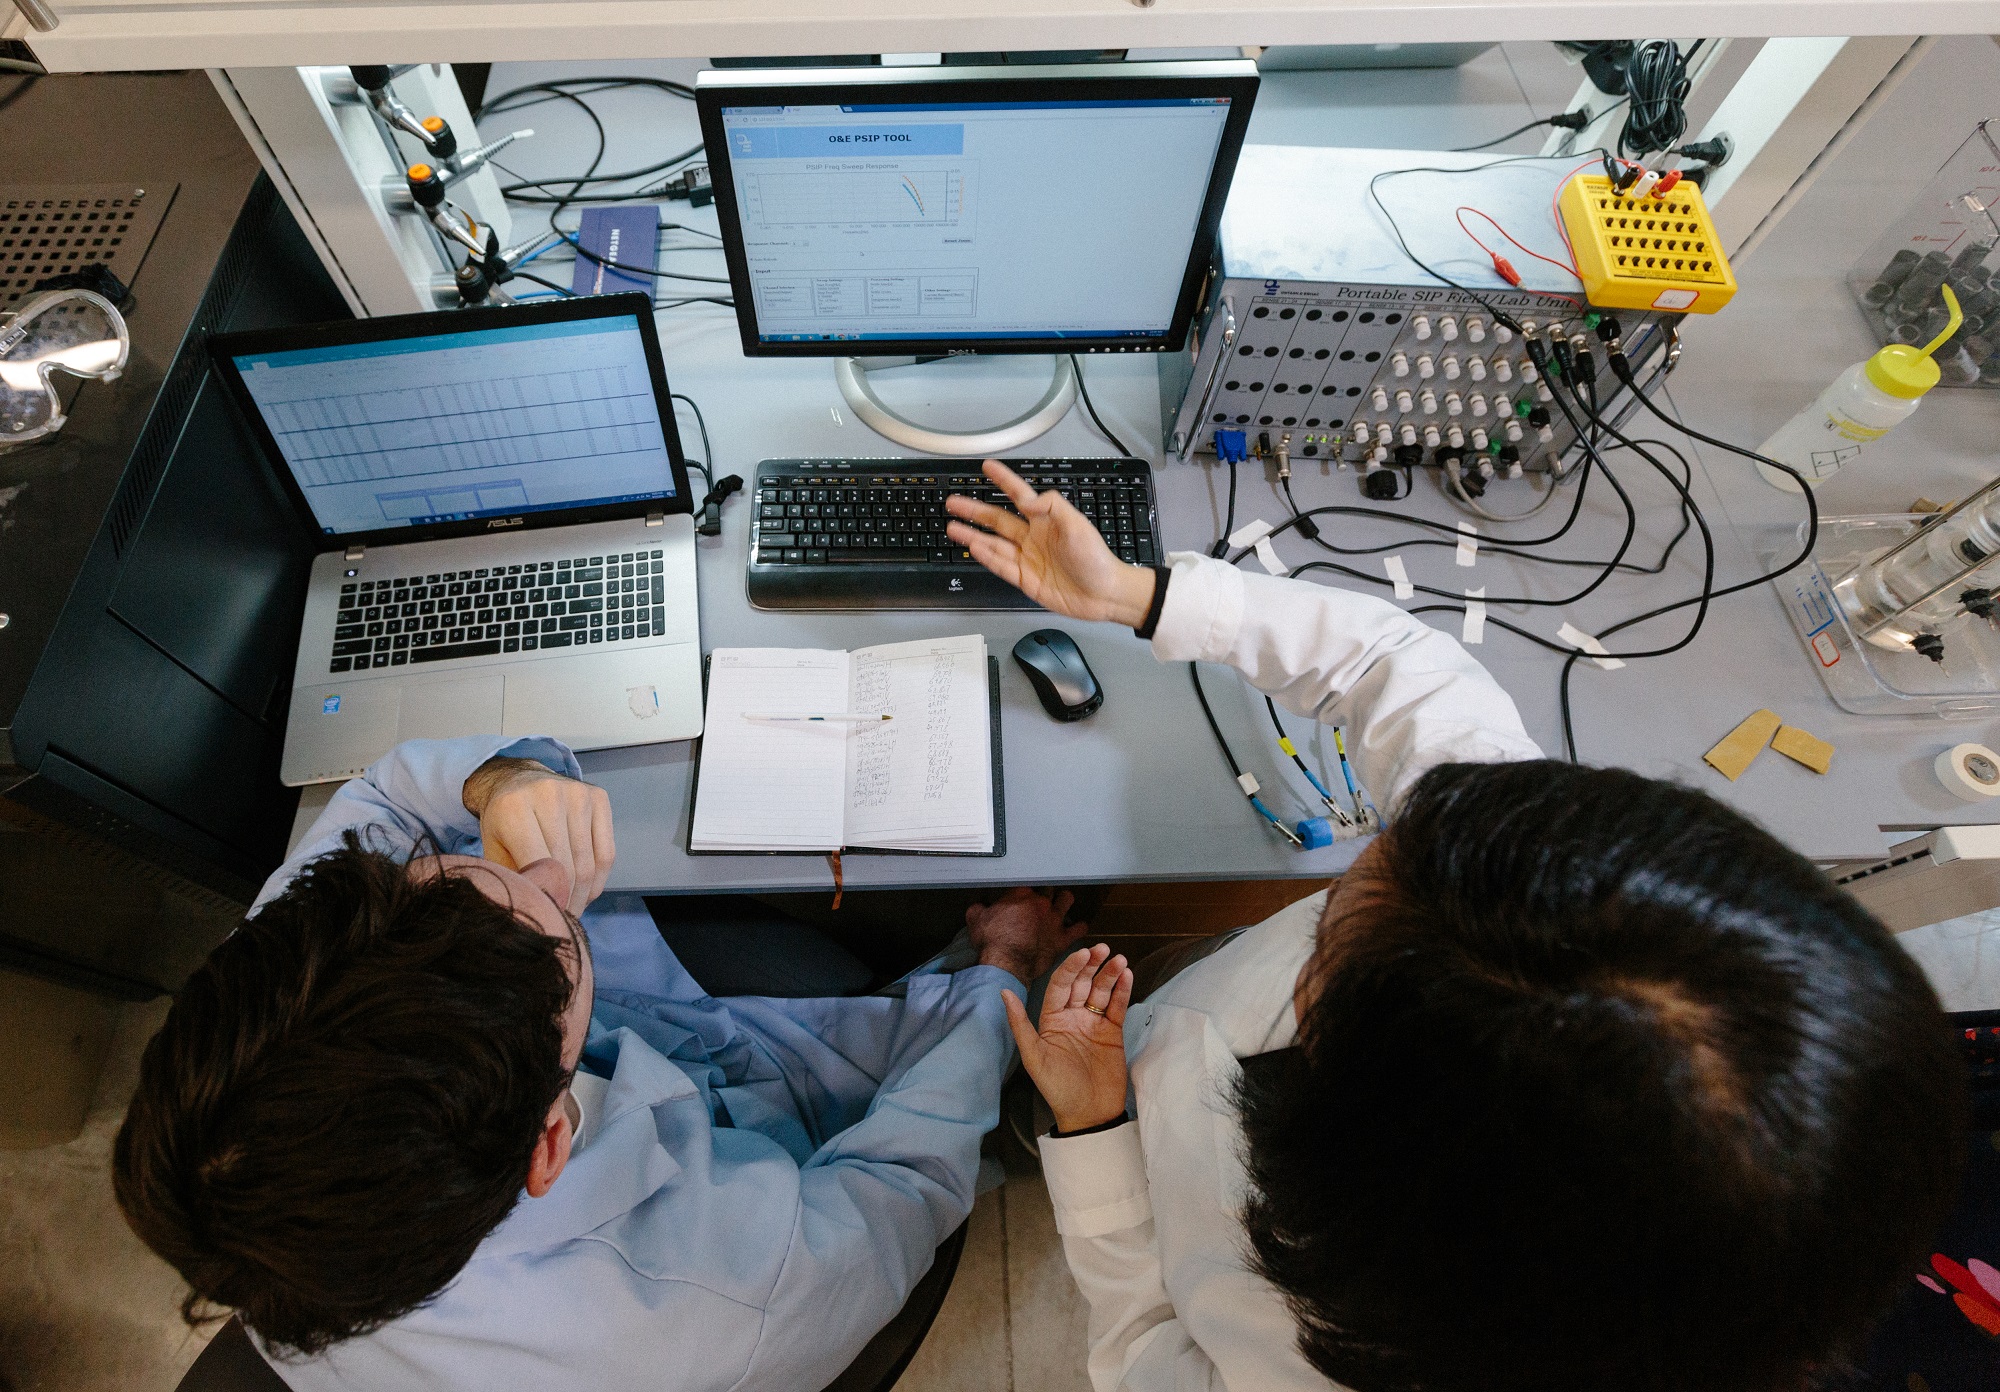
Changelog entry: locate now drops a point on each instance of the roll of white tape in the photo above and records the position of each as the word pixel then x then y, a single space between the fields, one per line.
pixel 1969 771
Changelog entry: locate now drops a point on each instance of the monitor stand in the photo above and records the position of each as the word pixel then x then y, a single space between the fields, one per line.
pixel 852 374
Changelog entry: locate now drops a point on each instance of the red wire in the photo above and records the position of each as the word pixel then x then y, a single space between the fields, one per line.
pixel 1460 213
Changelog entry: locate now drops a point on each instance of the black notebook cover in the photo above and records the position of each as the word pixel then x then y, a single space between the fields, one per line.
pixel 999 786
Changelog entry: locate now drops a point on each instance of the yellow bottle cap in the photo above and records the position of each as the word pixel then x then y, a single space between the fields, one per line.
pixel 1901 370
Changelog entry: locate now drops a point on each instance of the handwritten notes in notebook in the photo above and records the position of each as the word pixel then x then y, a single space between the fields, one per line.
pixel 922 781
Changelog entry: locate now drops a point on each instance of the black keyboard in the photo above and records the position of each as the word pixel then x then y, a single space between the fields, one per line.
pixel 869 533
pixel 565 603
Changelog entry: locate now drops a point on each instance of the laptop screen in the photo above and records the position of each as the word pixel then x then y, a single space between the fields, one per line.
pixel 457 426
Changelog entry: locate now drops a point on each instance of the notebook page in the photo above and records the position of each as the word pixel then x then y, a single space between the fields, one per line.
pixel 922 781
pixel 772 786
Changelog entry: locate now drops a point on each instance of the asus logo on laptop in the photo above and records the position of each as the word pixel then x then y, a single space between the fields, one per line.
pixel 493 522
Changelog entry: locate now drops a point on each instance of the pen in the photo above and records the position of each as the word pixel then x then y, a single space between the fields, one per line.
pixel 827 719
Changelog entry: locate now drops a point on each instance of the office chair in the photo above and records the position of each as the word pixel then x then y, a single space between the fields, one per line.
pixel 231 1362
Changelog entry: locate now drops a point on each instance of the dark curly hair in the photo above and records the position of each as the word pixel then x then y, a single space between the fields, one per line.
pixel 368 1058
pixel 1601 1087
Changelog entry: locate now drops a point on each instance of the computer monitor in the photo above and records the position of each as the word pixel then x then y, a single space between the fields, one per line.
pixel 932 211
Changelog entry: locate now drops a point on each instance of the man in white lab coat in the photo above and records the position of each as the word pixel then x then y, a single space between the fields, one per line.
pixel 1576 1081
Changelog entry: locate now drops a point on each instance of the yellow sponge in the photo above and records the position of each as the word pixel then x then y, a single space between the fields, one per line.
pixel 1743 744
pixel 1795 744
pixel 1659 252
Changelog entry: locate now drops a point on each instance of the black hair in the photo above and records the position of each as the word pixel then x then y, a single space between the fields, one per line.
pixel 1600 1087
pixel 344 1099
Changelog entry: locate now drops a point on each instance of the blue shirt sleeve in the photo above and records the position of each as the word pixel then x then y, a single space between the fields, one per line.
pixel 877 1199
pixel 413 793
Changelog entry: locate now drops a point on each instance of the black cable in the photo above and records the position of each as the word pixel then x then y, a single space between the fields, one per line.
pixel 562 290
pixel 1565 120
pixel 1083 391
pixel 1229 757
pixel 707 460
pixel 1656 75
pixel 1221 547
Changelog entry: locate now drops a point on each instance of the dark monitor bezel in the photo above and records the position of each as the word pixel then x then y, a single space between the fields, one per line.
pixel 1107 82
pixel 225 348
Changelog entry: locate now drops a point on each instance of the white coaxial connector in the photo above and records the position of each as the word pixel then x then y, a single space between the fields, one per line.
pixel 1431 436
pixel 1426 367
pixel 1448 328
pixel 1428 399
pixel 1384 433
pixel 1399 363
pixel 1514 432
pixel 1451 369
pixel 1421 325
pixel 1503 371
pixel 1528 327
pixel 1542 392
pixel 1502 334
pixel 1453 404
pixel 1379 398
pixel 1475 368
pixel 1478 437
pixel 1529 372
pixel 1407 433
pixel 1454 437
pixel 1475 330
pixel 1545 433
pixel 1405 402
pixel 1477 403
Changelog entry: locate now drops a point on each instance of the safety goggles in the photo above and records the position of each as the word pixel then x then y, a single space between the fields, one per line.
pixel 71 331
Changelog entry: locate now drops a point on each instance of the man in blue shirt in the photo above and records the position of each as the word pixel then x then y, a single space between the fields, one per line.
pixel 424 1122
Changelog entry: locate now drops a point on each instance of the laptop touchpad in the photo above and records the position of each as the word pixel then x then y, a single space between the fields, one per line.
pixel 448 709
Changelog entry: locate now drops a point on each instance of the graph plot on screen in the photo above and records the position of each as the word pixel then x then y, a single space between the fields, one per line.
pixel 847 197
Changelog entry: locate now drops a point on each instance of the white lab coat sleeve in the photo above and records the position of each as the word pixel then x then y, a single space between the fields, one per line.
pixel 1408 696
pixel 1104 1212
pixel 413 794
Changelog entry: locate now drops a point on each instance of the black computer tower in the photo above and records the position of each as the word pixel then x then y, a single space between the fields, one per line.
pixel 151 569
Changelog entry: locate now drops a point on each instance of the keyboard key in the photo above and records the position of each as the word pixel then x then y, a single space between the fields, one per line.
pixel 346 631
pixel 339 664
pixel 381 659
pixel 659 621
pixel 398 659
pixel 557 640
pixel 775 540
pixel 452 650
pixel 881 555
pixel 529 642
pixel 510 645
pixel 573 621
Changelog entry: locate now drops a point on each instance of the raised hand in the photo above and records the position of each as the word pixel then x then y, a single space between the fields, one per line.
pixel 1077 1057
pixel 528 813
pixel 1050 552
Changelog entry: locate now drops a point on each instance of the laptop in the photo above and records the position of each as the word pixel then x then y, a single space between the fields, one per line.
pixel 504 526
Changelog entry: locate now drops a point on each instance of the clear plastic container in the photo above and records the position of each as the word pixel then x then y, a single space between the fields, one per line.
pixel 1949 236
pixel 1863 676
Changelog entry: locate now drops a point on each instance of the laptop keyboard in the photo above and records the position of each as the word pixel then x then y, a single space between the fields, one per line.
pixel 531 607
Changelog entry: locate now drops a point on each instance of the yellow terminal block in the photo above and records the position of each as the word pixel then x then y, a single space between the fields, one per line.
pixel 1660 252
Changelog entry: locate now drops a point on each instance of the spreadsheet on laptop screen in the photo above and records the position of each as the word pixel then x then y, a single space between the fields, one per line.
pixel 452 427
pixel 972 220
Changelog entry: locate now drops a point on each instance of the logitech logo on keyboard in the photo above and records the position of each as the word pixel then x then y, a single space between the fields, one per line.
pixel 956 586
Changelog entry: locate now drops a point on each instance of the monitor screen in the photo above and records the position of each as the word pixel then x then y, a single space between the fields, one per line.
pixel 452 427
pixel 1011 214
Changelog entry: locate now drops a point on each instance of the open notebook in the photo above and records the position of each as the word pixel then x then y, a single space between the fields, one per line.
pixel 922 781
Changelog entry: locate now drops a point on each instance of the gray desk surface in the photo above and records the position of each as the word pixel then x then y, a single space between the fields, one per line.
pixel 1139 792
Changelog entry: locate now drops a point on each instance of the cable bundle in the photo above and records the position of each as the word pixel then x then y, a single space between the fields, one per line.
pixel 1656 76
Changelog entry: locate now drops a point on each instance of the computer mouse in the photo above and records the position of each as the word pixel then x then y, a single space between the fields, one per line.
pixel 1060 676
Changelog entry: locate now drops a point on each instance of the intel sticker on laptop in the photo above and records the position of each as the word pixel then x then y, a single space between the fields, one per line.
pixel 330 706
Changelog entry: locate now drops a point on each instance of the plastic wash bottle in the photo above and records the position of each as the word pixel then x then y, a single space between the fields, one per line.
pixel 1863 404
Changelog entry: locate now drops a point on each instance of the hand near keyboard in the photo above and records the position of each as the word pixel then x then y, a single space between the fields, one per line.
pixel 1050 552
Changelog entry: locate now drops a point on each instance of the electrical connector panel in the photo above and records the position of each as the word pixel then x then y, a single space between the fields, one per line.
pixel 1656 252
pixel 1319 322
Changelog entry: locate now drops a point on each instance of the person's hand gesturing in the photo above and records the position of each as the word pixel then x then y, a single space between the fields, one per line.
pixel 1050 552
pixel 1077 1057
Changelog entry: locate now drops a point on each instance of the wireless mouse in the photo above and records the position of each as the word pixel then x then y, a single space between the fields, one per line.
pixel 1060 676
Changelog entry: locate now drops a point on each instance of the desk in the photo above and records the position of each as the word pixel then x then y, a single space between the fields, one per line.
pixel 1139 792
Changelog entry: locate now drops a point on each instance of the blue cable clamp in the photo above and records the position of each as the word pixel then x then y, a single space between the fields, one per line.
pixel 1315 832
